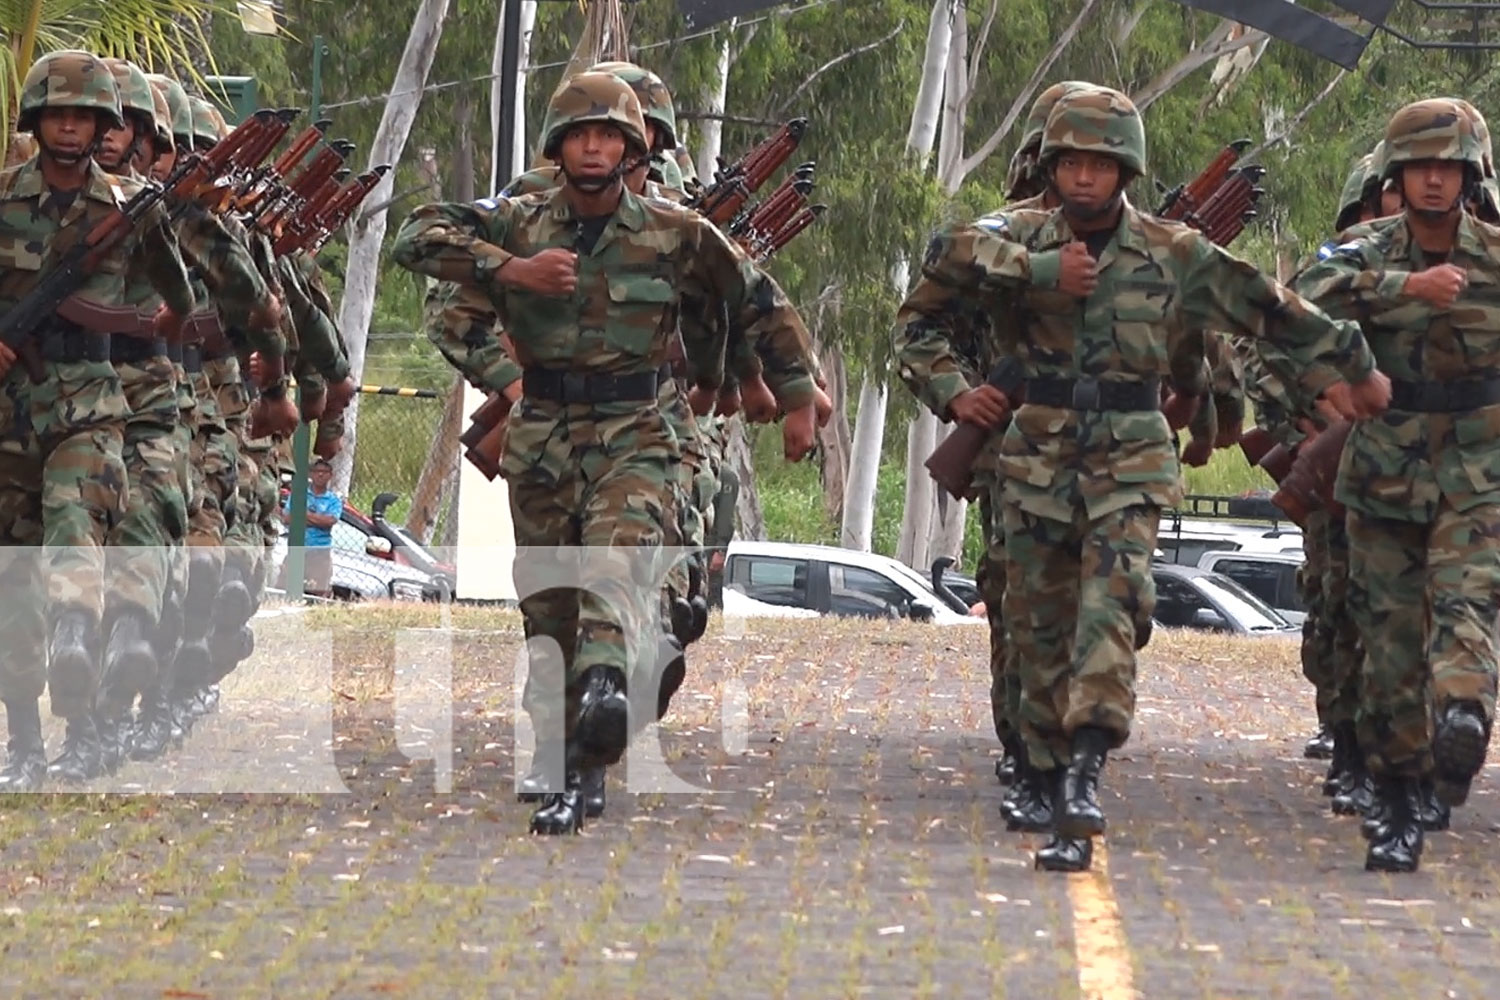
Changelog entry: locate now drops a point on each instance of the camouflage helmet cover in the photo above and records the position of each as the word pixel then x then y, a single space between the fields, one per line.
pixel 1434 129
pixel 655 98
pixel 177 103
pixel 1482 133
pixel 163 117
pixel 69 78
pixel 1098 120
pixel 205 127
pixel 1021 173
pixel 1353 193
pixel 135 90
pixel 594 97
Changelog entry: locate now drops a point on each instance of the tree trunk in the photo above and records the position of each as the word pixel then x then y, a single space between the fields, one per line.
pixel 835 438
pixel 916 524
pixel 947 531
pixel 368 233
pixel 924 116
pixel 463 149
pixel 864 466
pixel 749 514
pixel 501 173
pixel 711 130
pixel 427 498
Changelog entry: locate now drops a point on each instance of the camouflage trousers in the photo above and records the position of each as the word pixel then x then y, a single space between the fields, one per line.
pixel 1317 628
pixel 579 480
pixel 1425 599
pixel 141 555
pixel 62 490
pixel 1075 596
pixel 685 527
pixel 1005 681
pixel 215 468
pixel 1345 650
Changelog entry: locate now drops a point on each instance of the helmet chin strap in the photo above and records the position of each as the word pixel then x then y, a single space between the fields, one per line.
pixel 595 185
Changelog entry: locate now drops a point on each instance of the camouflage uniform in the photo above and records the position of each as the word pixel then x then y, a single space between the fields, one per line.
pixel 589 465
pixel 1422 489
pixel 1088 460
pixel 62 475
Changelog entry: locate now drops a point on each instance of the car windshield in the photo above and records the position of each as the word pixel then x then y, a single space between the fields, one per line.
pixel 1249 610
pixel 905 571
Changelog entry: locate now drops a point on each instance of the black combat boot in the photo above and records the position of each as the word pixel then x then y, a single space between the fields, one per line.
pixel 80 757
pixel 153 731
pixel 1397 844
pixel 560 812
pixel 129 662
pixel 72 655
pixel 681 614
pixel 672 665
pixel 591 787
pixel 1458 749
pixel 26 762
pixel 1320 747
pixel 1357 796
pixel 1081 815
pixel 1341 765
pixel 1064 853
pixel 232 604
pixel 1434 814
pixel 1029 807
pixel 603 729
pixel 111 748
pixel 1005 768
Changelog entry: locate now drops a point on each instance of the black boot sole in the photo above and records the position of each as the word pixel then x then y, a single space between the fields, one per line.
pixel 1057 857
pixel 561 815
pixel 1384 863
pixel 1458 750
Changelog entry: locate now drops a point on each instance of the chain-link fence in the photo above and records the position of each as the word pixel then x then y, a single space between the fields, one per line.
pixel 398 522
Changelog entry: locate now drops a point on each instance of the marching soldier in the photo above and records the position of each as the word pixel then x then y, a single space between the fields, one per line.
pixel 1088 460
pixel 586 277
pixel 1422 486
pixel 63 482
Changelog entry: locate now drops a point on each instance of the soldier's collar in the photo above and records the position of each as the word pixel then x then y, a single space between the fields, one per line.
pixel 630 213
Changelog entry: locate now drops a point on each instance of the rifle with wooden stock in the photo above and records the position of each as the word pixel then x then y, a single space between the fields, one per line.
pixel 192 173
pixel 951 463
pixel 734 183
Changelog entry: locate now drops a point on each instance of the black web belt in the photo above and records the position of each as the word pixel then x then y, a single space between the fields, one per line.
pixel 1457 396
pixel 576 387
pixel 1094 394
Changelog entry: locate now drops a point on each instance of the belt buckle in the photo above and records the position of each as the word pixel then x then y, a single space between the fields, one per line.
pixel 574 387
pixel 1086 394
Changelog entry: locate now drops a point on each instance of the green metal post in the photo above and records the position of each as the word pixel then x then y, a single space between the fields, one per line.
pixel 301 444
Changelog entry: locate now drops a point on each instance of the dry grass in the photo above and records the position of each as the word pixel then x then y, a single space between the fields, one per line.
pixel 844 840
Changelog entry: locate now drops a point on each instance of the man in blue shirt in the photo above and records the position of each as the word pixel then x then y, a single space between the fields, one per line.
pixel 323 510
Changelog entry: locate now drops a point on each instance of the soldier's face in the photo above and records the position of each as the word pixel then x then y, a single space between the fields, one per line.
pixel 115 146
pixel 67 133
pixel 1391 202
pixel 1086 180
pixel 1432 185
pixel 163 165
pixel 592 150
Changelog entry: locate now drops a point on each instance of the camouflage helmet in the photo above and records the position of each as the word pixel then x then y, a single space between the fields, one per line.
pixel 685 164
pixel 594 97
pixel 1021 174
pixel 69 78
pixel 1434 129
pixel 1098 120
pixel 655 98
pixel 1352 196
pixel 135 90
pixel 163 118
pixel 671 173
pixel 1482 133
pixel 205 127
pixel 182 111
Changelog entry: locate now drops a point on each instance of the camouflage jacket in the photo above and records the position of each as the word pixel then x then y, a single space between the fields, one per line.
pixel 33 236
pixel 622 316
pixel 319 349
pixel 231 282
pixel 1156 281
pixel 1400 464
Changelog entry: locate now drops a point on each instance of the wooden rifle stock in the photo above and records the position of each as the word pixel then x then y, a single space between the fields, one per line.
pixel 722 200
pixel 794 225
pixel 300 147
pixel 951 463
pixel 1190 197
pixel 485 456
pixel 1310 481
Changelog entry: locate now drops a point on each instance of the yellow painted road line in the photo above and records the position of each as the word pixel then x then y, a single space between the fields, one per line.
pixel 1104 971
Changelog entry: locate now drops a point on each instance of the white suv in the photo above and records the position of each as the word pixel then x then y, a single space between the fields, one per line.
pixel 835 581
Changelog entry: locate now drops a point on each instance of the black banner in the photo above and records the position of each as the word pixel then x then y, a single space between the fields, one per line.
pixel 702 13
pixel 1303 28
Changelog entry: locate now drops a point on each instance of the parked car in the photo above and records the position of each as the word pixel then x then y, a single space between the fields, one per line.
pixel 1188 597
pixel 364 568
pixel 1205 524
pixel 404 548
pixel 1271 576
pixel 959 590
pixel 834 581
